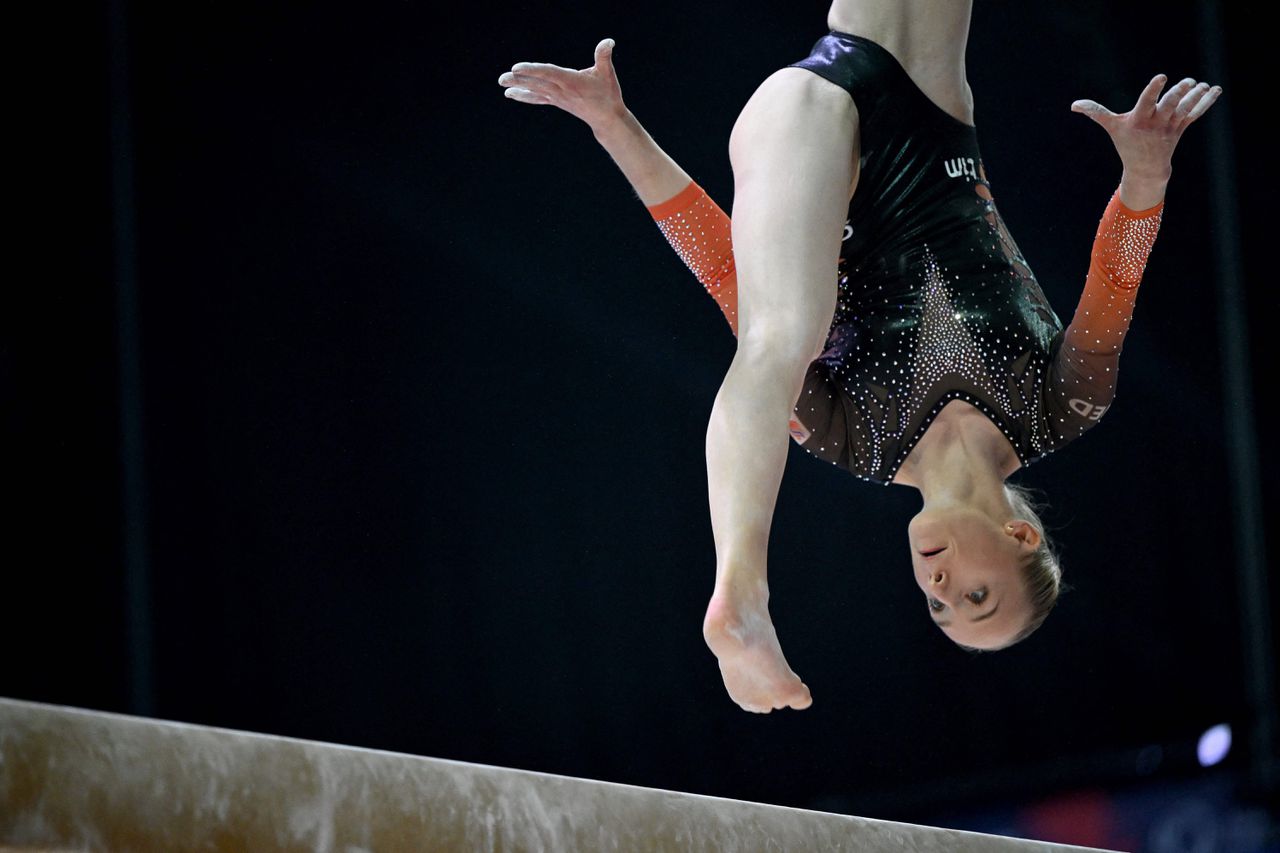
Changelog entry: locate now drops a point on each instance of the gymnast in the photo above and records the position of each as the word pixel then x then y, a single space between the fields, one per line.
pixel 885 318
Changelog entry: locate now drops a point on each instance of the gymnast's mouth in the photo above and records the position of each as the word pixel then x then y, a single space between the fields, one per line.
pixel 927 554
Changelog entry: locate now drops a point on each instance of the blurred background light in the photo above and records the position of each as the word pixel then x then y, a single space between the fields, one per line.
pixel 1214 745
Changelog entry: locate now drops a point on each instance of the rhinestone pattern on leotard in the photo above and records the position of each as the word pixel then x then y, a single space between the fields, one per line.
pixel 1133 236
pixel 706 250
pixel 1091 347
pixel 911 335
pixel 899 351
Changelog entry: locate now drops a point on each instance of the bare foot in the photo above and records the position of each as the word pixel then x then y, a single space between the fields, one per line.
pixel 738 630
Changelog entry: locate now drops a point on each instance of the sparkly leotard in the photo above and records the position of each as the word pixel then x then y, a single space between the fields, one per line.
pixel 935 301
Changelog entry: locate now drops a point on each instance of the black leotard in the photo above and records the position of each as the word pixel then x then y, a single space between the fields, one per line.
pixel 935 302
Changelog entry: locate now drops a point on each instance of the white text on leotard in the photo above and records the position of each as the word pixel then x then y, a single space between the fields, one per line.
pixel 961 167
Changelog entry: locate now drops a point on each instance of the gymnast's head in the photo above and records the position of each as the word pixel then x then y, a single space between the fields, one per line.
pixel 989 578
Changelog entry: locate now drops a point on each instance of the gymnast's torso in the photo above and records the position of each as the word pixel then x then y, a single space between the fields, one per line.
pixel 935 301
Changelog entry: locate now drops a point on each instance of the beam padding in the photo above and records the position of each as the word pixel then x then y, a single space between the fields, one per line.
pixel 80 779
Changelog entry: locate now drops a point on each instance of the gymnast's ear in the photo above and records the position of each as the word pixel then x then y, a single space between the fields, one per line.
pixel 1024 531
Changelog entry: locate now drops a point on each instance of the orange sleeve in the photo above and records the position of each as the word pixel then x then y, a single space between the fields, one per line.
pixel 1083 375
pixel 701 234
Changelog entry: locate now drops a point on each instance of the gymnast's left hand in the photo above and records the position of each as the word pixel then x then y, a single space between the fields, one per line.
pixel 1146 135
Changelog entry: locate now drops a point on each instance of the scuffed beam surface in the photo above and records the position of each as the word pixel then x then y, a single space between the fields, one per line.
pixel 83 779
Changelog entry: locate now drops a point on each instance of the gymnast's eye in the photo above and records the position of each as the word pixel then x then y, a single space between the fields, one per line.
pixel 978 597
pixel 935 605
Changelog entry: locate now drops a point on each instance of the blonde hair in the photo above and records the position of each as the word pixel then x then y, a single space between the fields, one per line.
pixel 1041 570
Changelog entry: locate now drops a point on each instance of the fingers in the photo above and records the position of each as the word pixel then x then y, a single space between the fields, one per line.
pixel 604 58
pixel 1092 109
pixel 538 68
pixel 1169 101
pixel 525 96
pixel 526 84
pixel 530 85
pixel 1190 99
pixel 1205 101
pixel 604 51
pixel 545 73
pixel 1147 100
pixel 1185 101
pixel 544 83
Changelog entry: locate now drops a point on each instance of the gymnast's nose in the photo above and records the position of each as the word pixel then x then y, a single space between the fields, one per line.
pixel 938 578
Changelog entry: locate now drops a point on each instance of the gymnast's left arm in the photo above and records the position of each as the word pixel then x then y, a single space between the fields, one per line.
pixel 1082 378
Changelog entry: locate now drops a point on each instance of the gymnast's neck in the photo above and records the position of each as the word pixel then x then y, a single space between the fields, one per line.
pixel 962 453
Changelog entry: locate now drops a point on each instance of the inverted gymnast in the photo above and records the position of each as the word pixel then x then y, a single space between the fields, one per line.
pixel 883 312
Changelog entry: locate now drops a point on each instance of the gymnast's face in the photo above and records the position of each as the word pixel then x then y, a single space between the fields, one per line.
pixel 968 566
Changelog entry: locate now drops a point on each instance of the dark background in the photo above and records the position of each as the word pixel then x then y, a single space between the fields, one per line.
pixel 423 395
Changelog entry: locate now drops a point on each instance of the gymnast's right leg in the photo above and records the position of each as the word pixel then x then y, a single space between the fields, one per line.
pixel 794 152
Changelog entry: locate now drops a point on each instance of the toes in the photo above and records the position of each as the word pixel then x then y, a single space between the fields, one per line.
pixel 801 699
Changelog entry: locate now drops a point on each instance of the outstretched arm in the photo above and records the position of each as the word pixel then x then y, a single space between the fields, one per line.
pixel 1083 375
pixel 694 225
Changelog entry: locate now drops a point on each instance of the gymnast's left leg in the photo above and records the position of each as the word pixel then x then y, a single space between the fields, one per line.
pixel 793 150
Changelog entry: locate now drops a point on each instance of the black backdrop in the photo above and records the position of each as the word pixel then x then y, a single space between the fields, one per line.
pixel 424 395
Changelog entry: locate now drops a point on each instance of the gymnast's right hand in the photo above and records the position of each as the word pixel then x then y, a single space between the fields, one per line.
pixel 591 94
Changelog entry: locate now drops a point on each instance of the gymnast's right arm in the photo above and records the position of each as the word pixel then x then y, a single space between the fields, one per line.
pixel 693 224
pixel 1082 377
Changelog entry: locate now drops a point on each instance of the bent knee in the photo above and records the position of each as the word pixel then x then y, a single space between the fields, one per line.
pixel 780 344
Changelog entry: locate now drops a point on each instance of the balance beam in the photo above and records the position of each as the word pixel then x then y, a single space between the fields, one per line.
pixel 76 779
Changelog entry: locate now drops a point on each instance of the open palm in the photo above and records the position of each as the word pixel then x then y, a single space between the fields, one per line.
pixel 1146 135
pixel 591 94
